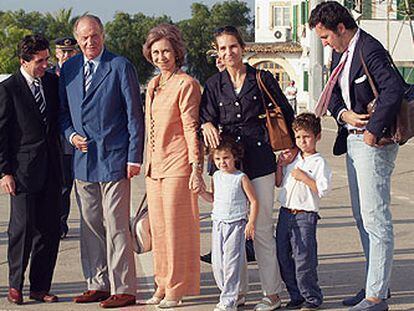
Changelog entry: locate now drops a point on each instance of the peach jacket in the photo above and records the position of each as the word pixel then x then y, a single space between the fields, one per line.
pixel 172 123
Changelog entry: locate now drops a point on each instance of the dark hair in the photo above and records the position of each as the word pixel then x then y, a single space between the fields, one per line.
pixel 31 45
pixel 229 144
pixel 309 122
pixel 330 14
pixel 170 32
pixel 229 30
pixel 95 18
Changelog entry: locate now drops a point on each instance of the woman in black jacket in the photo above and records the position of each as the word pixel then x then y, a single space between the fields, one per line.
pixel 232 104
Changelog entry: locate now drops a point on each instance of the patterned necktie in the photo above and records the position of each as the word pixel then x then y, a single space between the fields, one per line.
pixel 88 75
pixel 40 101
pixel 322 106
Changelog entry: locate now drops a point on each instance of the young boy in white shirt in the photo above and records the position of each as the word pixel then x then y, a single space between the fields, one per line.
pixel 304 181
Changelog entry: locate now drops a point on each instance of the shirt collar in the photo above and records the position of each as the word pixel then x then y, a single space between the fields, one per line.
pixel 95 61
pixel 354 40
pixel 29 79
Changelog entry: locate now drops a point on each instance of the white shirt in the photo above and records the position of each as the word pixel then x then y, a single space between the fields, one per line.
pixel 30 82
pixel 296 194
pixel 343 78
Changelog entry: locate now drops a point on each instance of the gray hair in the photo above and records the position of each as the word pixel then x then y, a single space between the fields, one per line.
pixel 90 17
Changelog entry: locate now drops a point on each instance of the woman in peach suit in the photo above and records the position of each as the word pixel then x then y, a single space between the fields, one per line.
pixel 173 174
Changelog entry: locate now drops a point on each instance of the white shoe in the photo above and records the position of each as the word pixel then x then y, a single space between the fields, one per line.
pixel 165 304
pixel 220 307
pixel 154 300
pixel 268 305
pixel 241 301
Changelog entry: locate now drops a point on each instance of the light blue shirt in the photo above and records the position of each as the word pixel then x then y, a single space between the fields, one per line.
pixel 230 202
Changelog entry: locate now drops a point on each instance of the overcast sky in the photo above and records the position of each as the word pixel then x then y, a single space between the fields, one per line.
pixel 105 9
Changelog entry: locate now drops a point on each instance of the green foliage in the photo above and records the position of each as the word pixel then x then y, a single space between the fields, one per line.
pixel 14 25
pixel 402 8
pixel 126 34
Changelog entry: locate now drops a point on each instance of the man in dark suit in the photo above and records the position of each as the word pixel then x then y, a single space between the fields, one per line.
pixel 30 169
pixel 66 48
pixel 102 116
pixel 369 165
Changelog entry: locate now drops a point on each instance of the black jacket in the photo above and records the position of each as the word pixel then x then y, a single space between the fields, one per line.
pixel 238 116
pixel 29 148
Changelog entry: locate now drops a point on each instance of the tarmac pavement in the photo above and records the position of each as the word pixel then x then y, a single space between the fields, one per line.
pixel 341 262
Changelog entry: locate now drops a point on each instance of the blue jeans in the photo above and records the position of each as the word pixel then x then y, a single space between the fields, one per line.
pixel 297 255
pixel 369 177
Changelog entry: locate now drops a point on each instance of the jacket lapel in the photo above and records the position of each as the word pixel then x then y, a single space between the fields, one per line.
pixel 249 81
pixel 101 72
pixel 47 95
pixel 227 86
pixel 28 97
pixel 356 61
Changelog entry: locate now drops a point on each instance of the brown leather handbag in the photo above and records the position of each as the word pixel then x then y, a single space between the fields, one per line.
pixel 403 129
pixel 277 128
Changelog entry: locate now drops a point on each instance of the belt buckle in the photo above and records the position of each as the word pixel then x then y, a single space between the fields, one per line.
pixel 294 211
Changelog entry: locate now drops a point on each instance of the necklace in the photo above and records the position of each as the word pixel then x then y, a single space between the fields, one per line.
pixel 162 82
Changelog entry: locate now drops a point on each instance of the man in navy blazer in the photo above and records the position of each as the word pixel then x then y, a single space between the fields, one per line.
pixel 101 115
pixel 369 165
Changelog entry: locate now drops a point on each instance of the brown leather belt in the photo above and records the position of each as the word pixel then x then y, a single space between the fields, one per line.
pixel 356 131
pixel 294 211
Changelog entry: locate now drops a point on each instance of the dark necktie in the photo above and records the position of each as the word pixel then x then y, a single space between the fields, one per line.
pixel 40 101
pixel 88 75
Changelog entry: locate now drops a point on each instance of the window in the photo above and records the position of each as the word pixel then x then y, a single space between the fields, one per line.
pixel 281 16
pixel 277 71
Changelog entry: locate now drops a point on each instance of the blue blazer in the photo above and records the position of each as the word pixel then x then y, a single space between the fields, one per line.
pixel 387 82
pixel 109 115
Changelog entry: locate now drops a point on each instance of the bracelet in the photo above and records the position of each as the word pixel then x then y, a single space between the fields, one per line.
pixel 196 165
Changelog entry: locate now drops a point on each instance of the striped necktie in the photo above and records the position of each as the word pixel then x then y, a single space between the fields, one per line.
pixel 88 75
pixel 322 106
pixel 40 101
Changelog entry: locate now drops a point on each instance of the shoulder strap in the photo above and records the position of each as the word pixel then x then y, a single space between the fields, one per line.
pixel 371 81
pixel 263 89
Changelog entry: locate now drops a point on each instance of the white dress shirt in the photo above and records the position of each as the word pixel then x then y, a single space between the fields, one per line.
pixel 296 194
pixel 30 82
pixel 343 78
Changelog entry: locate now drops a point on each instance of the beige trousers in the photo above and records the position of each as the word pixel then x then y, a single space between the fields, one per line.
pixel 106 246
pixel 175 229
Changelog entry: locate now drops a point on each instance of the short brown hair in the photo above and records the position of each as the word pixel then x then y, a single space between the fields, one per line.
pixel 170 32
pixel 229 30
pixel 309 122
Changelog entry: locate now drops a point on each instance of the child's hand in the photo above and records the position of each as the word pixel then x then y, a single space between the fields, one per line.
pixel 298 174
pixel 286 156
pixel 249 231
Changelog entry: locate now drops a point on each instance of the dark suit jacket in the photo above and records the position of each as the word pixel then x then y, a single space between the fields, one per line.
pixel 29 148
pixel 238 115
pixel 386 80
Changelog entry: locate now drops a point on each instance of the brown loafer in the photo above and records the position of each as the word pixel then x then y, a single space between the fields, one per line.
pixel 15 296
pixel 92 296
pixel 118 301
pixel 43 297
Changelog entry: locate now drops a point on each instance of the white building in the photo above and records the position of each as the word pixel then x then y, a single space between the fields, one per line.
pixel 282 38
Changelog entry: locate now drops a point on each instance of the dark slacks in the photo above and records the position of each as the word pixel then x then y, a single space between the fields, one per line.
pixel 297 255
pixel 34 234
pixel 66 190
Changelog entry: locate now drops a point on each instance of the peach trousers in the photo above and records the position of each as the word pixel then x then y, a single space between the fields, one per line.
pixel 175 228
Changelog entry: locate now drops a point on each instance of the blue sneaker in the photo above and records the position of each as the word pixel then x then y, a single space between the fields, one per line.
pixel 354 300
pixel 366 305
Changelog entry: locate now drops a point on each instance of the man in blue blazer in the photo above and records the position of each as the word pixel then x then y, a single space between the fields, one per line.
pixel 101 115
pixel 369 165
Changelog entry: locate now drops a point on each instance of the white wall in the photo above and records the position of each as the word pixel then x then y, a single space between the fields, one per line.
pixel 404 50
